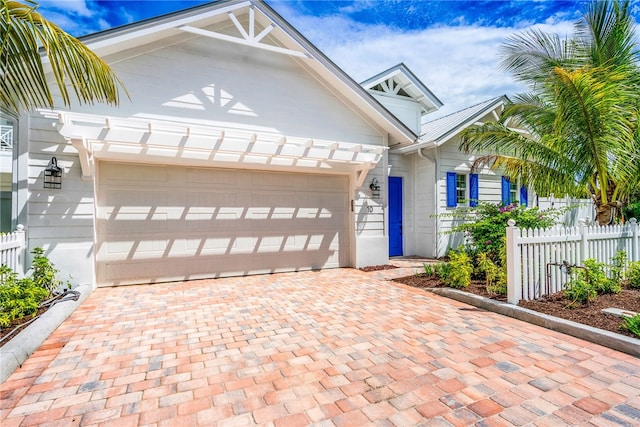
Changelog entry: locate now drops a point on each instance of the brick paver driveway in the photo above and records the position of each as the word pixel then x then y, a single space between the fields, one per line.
pixel 337 347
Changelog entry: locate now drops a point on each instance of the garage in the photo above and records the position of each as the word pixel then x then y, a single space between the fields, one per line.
pixel 158 223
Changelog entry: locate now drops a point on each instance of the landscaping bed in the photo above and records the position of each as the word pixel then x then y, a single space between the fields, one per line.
pixel 556 305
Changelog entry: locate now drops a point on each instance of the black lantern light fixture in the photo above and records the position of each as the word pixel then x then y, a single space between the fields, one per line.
pixel 53 175
pixel 375 188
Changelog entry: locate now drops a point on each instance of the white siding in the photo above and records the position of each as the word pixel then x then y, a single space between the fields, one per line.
pixel 425 235
pixel 216 83
pixel 197 82
pixel 60 221
pixel 406 109
pixel 452 160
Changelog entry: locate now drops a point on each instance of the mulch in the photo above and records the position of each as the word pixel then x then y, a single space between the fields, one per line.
pixel 555 305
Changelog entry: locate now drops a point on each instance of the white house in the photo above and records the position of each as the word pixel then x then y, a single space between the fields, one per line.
pixel 242 150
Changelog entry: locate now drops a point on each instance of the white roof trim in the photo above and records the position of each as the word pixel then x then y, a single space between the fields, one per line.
pixel 143 141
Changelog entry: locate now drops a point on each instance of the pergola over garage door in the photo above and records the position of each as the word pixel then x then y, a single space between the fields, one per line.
pixel 165 223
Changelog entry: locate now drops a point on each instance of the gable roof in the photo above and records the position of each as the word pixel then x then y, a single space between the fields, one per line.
pixel 437 132
pixel 403 83
pixel 271 32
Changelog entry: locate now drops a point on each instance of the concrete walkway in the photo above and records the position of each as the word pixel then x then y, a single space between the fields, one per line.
pixel 332 348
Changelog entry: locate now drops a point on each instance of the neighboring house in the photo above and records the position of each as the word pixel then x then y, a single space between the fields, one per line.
pixel 242 150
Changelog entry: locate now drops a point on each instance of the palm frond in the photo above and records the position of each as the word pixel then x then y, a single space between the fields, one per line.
pixel 29 44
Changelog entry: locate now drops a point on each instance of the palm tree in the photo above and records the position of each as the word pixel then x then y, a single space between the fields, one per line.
pixel 31 47
pixel 581 114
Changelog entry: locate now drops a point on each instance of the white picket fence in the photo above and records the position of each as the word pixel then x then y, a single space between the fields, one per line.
pixel 537 259
pixel 12 247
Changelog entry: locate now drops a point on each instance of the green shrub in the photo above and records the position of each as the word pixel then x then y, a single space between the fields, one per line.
pixel 43 272
pixel 598 278
pixel 439 268
pixel 488 268
pixel 632 324
pixel 457 272
pixel 633 275
pixel 429 270
pixel 22 297
pixel 486 225
pixel 578 290
pixel 18 297
pixel 495 276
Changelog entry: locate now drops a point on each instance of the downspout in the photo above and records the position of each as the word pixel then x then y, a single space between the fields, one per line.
pixel 435 194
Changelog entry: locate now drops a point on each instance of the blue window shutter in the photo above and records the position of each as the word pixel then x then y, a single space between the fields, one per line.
pixel 452 199
pixel 524 196
pixel 506 196
pixel 474 189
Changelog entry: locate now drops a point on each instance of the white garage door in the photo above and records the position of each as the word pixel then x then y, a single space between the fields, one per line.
pixel 159 223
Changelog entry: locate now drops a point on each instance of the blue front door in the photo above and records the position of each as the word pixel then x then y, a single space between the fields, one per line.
pixel 395 216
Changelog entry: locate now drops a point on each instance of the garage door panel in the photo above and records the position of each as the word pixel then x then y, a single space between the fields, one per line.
pixel 272 180
pixel 136 246
pixel 213 177
pixel 123 174
pixel 211 199
pixel 214 223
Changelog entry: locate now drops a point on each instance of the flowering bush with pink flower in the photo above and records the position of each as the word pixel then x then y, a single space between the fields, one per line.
pixel 485 225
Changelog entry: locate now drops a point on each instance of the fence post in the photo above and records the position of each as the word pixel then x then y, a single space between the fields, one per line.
pixel 584 242
pixel 21 250
pixel 634 242
pixel 514 263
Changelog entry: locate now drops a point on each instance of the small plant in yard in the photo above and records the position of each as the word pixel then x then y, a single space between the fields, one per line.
pixel 457 272
pixel 632 324
pixel 488 268
pixel 617 271
pixel 495 276
pixel 486 225
pixel 633 275
pixel 429 270
pixel 578 290
pixel 22 297
pixel 598 277
pixel 18 297
pixel 44 273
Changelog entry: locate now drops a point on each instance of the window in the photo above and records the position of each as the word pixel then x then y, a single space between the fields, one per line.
pixel 513 192
pixel 510 193
pixel 461 188
pixel 459 191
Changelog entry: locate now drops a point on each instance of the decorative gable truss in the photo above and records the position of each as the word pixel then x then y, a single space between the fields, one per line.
pixel 392 87
pixel 252 36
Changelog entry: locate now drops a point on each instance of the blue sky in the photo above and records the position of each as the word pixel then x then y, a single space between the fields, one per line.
pixel 452 46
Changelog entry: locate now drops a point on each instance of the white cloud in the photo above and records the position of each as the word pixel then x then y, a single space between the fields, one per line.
pixel 75 16
pixel 70 7
pixel 459 64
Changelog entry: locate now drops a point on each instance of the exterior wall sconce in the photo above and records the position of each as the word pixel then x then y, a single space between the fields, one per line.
pixel 53 175
pixel 375 188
